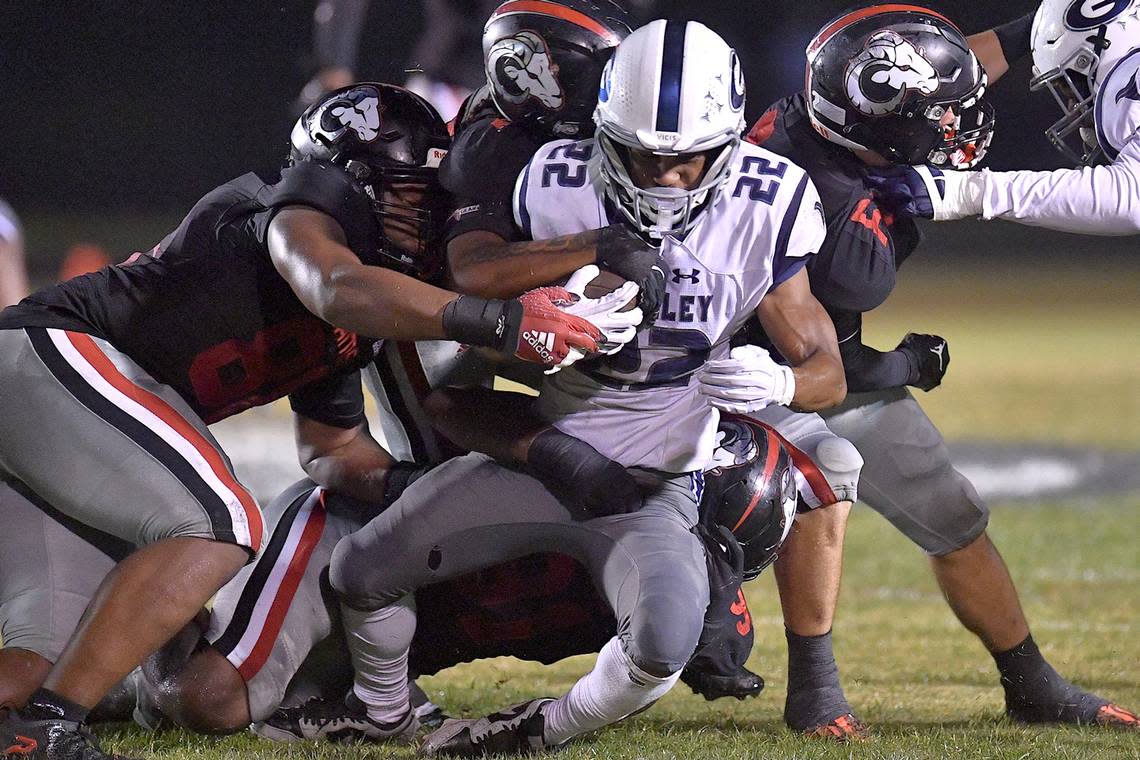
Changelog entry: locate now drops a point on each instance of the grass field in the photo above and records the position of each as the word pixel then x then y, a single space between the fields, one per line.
pixel 1034 359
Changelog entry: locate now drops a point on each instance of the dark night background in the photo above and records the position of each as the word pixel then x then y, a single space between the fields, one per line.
pixel 133 110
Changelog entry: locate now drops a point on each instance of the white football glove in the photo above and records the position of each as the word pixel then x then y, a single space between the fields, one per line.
pixel 618 327
pixel 748 380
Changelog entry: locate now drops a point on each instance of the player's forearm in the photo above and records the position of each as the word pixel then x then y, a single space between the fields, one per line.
pixel 1097 200
pixel 867 369
pixel 382 303
pixel 347 461
pixel 494 423
pixel 820 383
pixel 987 48
pixel 483 264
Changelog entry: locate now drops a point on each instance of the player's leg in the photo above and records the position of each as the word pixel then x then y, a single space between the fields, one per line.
pixel 809 569
pixel 651 569
pixel 139 465
pixel 466 514
pixel 235 667
pixel 909 479
pixel 50 567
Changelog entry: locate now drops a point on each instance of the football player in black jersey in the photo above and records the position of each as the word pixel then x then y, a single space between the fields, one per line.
pixel 264 290
pixel 882 90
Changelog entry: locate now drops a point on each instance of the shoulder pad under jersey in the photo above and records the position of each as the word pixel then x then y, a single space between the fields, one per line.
pixel 328 188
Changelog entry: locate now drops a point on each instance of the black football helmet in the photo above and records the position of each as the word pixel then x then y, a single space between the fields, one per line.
pixel 882 78
pixel 385 136
pixel 751 490
pixel 544 60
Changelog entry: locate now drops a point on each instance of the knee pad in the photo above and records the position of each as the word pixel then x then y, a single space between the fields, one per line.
pixel 661 646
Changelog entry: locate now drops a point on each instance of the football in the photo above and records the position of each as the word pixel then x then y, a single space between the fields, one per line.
pixel 605 283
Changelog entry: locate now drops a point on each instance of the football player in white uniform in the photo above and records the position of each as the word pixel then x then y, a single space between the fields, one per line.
pixel 1087 54
pixel 736 224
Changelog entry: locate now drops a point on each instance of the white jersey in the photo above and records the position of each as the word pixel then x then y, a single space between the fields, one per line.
pixel 1098 200
pixel 641 407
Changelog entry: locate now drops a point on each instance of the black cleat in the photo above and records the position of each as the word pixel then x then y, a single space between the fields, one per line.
pixel 741 685
pixel 24 738
pixel 336 720
pixel 430 714
pixel 515 730
pixel 1078 706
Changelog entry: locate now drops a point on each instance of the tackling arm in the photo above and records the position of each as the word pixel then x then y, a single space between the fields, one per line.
pixel 800 329
pixel 310 251
pixel 348 461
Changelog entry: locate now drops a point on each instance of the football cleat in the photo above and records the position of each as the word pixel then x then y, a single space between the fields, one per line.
pixel 741 685
pixel 515 730
pixel 336 720
pixel 1114 716
pixel 1082 708
pixel 430 714
pixel 23 738
pixel 845 728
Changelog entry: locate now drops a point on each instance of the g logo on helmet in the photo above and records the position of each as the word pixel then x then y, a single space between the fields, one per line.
pixel 1083 15
pixel 521 65
pixel 358 110
pixel 607 80
pixel 879 77
pixel 736 91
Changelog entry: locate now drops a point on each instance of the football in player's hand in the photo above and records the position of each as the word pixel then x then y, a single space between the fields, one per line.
pixel 604 284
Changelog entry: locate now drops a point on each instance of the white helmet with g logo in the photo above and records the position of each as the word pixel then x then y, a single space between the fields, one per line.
pixel 672 87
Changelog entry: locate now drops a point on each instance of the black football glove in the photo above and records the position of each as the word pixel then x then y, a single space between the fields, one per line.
pixel 928 356
pixel 579 474
pixel 717 668
pixel 621 251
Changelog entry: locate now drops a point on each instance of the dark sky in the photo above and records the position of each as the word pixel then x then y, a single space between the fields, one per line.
pixel 145 105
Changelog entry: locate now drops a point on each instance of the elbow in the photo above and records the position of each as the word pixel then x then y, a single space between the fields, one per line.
pixel 337 299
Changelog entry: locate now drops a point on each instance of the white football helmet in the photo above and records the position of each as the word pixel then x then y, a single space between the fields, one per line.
pixel 672 87
pixel 1075 45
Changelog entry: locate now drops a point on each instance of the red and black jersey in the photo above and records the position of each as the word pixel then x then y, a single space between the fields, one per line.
pixel 854 271
pixel 206 312
pixel 487 154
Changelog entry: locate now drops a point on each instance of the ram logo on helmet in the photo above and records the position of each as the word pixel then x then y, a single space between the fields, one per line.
pixel 358 110
pixel 522 65
pixel 879 77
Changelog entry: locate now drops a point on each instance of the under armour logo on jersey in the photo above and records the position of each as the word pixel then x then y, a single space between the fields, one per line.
pixel 694 276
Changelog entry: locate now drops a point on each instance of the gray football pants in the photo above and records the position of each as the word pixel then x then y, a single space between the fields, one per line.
pixel 907 475
pixel 471 513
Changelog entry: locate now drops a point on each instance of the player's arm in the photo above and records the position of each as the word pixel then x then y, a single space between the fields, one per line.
pixel 504 426
pixel 919 360
pixel 488 265
pixel 335 447
pixel 802 332
pixel 1092 200
pixel 310 251
pixel 482 263
pixel 1001 46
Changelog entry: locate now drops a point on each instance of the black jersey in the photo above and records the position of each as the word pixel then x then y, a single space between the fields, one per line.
pixel 206 312
pixel 854 270
pixel 487 154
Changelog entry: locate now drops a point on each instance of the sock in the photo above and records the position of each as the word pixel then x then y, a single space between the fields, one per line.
pixel 1036 693
pixel 815 696
pixel 45 704
pixel 378 643
pixel 614 689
